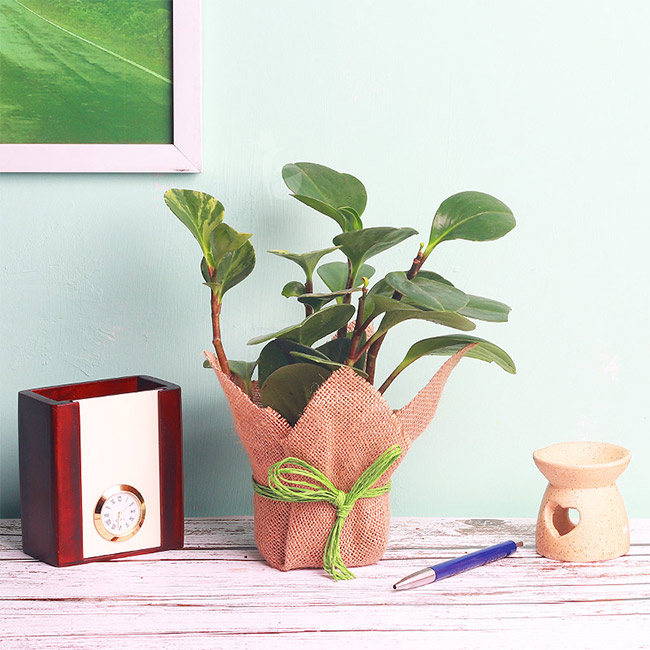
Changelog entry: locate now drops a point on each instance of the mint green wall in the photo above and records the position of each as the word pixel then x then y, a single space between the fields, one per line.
pixel 544 105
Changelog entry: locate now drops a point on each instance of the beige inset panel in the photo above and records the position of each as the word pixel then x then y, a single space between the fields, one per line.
pixel 119 445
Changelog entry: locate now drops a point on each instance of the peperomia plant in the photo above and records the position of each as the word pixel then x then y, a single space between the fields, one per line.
pixel 347 322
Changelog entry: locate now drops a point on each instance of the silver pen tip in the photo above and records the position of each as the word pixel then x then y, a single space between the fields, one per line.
pixel 417 579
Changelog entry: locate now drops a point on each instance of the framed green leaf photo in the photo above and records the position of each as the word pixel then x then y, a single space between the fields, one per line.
pixel 100 85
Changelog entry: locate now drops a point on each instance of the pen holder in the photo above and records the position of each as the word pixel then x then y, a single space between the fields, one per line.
pixel 88 449
pixel 582 477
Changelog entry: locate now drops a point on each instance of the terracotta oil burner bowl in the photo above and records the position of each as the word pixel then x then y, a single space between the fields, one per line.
pixel 582 477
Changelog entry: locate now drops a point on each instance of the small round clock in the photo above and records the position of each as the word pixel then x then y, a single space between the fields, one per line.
pixel 119 513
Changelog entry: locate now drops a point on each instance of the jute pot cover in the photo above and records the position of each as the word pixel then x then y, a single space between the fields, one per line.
pixel 344 429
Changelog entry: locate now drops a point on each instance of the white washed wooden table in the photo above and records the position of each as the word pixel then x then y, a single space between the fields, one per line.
pixel 217 593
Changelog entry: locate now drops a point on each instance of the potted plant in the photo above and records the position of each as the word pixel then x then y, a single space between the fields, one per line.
pixel 320 436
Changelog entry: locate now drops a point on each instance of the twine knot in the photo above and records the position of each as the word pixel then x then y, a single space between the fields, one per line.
pixel 317 487
pixel 344 510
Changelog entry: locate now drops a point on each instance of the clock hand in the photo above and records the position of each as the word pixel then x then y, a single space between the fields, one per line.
pixel 121 512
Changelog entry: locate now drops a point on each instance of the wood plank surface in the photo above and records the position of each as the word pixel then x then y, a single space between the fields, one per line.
pixel 217 592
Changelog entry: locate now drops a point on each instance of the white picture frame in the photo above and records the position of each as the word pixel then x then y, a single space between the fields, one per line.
pixel 184 154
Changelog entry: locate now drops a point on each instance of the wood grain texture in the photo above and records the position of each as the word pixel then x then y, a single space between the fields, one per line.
pixel 216 592
pixel 170 431
pixel 50 466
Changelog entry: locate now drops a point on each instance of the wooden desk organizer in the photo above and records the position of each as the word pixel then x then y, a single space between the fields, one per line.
pixel 81 442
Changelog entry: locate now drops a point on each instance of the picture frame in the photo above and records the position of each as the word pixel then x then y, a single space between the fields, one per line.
pixel 183 154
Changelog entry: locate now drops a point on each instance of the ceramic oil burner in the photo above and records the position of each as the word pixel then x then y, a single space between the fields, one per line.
pixel 582 478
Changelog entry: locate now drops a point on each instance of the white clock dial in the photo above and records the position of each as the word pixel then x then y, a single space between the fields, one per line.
pixel 119 513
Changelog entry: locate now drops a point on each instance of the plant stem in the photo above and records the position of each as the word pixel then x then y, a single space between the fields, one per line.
pixel 364 347
pixel 309 288
pixel 347 299
pixel 358 327
pixel 371 363
pixel 389 380
pixel 215 307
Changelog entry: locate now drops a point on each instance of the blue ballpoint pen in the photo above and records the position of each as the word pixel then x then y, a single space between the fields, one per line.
pixel 457 565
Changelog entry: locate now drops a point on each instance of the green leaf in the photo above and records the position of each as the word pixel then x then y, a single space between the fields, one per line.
pixel 353 218
pixel 340 217
pixel 427 293
pixel 398 311
pixel 319 300
pixel 477 307
pixel 338 350
pixel 360 245
pixel 407 312
pixel 341 197
pixel 205 272
pixel 289 389
pixel 449 345
pixel 277 353
pixel 244 370
pixel 327 363
pixel 314 327
pixel 373 307
pixel 430 275
pixel 377 304
pixel 200 212
pixel 291 333
pixel 470 215
pixel 233 259
pixel 315 303
pixel 224 240
pixel 485 309
pixel 327 296
pixel 235 267
pixel 335 275
pixel 325 322
pixel 381 288
pixel 293 289
pixel 306 261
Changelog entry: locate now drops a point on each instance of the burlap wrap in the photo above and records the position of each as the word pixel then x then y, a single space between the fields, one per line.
pixel 346 426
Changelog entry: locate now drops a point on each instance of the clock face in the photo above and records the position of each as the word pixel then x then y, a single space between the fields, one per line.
pixel 119 513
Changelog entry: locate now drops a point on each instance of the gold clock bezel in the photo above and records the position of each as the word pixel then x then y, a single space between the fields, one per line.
pixel 97 517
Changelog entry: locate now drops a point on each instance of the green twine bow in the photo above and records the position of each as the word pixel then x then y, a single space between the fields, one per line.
pixel 319 488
